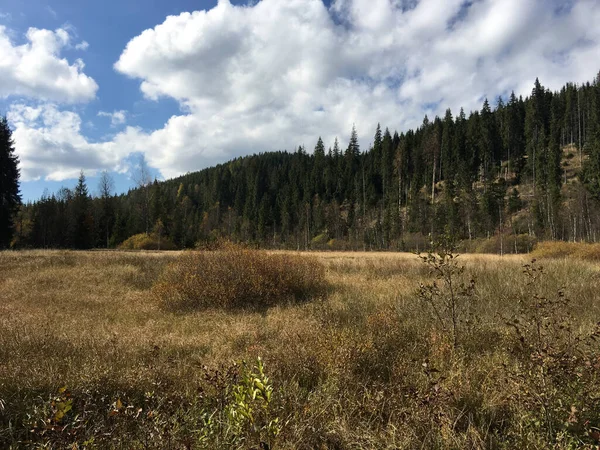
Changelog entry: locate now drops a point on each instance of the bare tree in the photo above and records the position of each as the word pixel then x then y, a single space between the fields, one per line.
pixel 143 179
pixel 106 184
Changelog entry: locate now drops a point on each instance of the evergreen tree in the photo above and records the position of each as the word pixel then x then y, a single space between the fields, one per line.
pixel 450 173
pixel 488 142
pixel 80 215
pixel 514 137
pixel 9 184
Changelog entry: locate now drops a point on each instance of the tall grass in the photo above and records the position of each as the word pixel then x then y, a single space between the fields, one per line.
pixel 366 367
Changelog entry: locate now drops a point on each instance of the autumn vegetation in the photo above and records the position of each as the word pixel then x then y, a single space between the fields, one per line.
pixel 236 277
pixel 352 350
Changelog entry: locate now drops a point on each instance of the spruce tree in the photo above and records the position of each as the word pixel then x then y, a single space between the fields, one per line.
pixel 9 184
pixel 81 219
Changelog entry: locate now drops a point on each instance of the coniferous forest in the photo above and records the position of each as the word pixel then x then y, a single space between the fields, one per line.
pixel 516 171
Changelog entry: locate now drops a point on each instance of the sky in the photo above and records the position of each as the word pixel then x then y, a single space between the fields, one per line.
pixel 95 86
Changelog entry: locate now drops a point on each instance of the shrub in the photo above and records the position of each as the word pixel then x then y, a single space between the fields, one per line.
pixel 235 277
pixel 449 299
pixel 145 241
pixel 508 243
pixel 561 249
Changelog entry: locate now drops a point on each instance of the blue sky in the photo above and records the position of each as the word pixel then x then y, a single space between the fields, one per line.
pixel 107 26
pixel 188 84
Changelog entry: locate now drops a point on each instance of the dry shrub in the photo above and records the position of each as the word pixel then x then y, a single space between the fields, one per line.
pixel 507 243
pixel 145 241
pixel 235 277
pixel 561 249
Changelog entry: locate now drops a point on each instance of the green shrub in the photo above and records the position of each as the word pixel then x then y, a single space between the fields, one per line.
pixel 235 277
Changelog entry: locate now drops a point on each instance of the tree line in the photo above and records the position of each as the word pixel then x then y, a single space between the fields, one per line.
pixel 522 167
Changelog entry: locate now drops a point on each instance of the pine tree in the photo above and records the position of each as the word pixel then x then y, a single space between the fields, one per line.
pixel 489 142
pixel 591 168
pixel 447 162
pixel 319 168
pixel 9 184
pixel 515 137
pixel 353 147
pixel 387 162
pixel 80 215
pixel 351 168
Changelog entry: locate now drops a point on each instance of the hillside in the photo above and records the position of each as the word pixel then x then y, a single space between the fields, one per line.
pixel 497 180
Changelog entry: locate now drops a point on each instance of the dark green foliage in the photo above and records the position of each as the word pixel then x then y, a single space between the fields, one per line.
pixel 492 172
pixel 9 184
pixel 81 225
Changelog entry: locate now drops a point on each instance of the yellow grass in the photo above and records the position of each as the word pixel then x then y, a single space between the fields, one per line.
pixel 351 370
pixel 573 250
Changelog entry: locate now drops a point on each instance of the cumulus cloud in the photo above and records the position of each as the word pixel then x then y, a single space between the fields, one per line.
pixel 37 70
pixel 50 144
pixel 279 73
pixel 116 117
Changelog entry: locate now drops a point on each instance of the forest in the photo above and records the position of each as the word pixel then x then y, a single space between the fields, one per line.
pixel 517 171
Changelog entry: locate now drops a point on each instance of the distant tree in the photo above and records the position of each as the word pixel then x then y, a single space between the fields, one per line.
pixel 9 184
pixel 81 218
pixel 143 179
pixel 514 135
pixel 319 167
pixel 106 186
pixel 159 230
pixel 489 143
pixel 453 173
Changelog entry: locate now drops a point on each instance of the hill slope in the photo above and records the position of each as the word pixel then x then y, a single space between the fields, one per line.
pixel 498 180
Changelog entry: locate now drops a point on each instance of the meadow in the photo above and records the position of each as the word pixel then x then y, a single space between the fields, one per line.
pixel 385 355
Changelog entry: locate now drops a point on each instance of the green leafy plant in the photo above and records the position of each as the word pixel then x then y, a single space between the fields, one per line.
pixel 251 411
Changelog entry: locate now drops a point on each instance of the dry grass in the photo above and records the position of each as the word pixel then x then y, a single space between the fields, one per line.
pixel 364 367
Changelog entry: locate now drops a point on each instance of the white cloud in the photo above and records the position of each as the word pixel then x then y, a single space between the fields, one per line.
pixel 36 69
pixel 50 144
pixel 83 45
pixel 280 73
pixel 116 117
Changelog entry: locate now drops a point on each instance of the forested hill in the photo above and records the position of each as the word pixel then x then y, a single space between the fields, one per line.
pixel 515 171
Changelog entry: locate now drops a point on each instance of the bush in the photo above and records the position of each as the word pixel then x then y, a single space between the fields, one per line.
pixel 509 243
pixel 561 249
pixel 236 277
pixel 145 241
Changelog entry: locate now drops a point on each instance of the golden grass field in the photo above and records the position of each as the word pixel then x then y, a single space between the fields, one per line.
pixel 364 366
